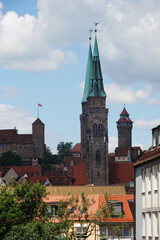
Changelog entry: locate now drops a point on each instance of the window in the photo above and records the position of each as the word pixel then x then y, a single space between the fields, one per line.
pixel 155 174
pixel 117 208
pixel 98 156
pixel 102 232
pixel 143 180
pixel 155 224
pixel 52 210
pixel 143 224
pixel 99 130
pixel 149 224
pixel 149 179
pixel 114 232
pixel 126 232
pixel 81 232
pixel 94 130
pixel 97 174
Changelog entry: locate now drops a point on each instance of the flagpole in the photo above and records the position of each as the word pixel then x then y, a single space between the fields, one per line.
pixel 37 110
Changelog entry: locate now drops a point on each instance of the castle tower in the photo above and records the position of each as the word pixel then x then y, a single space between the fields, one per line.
pixel 94 122
pixel 124 126
pixel 38 138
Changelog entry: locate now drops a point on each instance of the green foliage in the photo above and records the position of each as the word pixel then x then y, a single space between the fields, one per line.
pixel 49 158
pixel 64 149
pixel 10 159
pixel 35 230
pixel 23 214
pixel 21 204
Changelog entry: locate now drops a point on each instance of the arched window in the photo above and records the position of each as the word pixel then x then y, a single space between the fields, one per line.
pixel 98 156
pixel 99 130
pixel 94 130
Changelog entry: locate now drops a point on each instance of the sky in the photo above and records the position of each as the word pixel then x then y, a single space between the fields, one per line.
pixel 43 58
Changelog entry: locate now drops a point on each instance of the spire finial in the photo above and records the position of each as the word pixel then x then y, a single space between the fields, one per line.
pixel 96 23
pixel 124 103
pixel 90 31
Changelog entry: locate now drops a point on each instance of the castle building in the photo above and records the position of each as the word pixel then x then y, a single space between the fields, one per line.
pixel 94 122
pixel 27 146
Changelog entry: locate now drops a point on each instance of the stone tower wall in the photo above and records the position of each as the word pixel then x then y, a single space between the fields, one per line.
pixel 94 147
pixel 38 140
pixel 124 135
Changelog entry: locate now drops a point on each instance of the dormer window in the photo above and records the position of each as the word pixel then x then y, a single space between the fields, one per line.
pixel 117 208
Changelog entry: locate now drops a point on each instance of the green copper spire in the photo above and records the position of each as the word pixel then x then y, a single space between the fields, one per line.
pixel 88 75
pixel 96 52
pixel 96 86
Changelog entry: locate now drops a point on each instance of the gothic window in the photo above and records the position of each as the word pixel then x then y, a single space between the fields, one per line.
pixel 99 130
pixel 98 156
pixel 94 130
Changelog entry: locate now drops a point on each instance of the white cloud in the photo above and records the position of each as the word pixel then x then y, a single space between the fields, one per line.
pixel 113 143
pixel 15 117
pixel 141 123
pixel 129 34
pixel 120 94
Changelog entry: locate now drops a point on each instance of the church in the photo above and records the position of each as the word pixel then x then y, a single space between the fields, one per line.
pixel 103 168
pixel 94 121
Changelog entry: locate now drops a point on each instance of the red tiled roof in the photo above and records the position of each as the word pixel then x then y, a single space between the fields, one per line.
pixel 124 112
pixel 111 154
pixel 29 170
pixel 118 170
pixel 76 148
pixel 38 179
pixel 79 174
pixel 148 155
pixel 11 136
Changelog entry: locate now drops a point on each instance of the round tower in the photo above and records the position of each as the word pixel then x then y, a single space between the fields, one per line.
pixel 124 126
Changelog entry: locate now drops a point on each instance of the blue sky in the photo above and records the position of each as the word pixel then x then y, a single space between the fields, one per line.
pixel 43 57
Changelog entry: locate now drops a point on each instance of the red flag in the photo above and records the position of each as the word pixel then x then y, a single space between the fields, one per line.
pixel 39 105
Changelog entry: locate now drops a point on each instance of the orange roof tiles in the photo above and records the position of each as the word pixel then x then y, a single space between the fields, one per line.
pixel 128 217
pixel 97 201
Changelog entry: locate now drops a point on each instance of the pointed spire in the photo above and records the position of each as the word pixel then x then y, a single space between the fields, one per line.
pixel 95 52
pixel 88 73
pixel 97 89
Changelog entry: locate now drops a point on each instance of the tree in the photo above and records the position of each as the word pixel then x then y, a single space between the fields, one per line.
pixel 21 203
pixel 23 214
pixel 64 149
pixel 10 159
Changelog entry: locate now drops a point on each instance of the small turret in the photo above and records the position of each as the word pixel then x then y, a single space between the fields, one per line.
pixel 124 126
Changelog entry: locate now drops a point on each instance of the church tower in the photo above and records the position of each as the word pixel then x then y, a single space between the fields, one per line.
pixel 124 126
pixel 94 122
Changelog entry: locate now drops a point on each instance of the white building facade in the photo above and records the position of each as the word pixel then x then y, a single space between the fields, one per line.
pixel 147 192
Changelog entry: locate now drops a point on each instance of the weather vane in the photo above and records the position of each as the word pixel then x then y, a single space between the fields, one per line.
pixel 96 23
pixel 90 31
